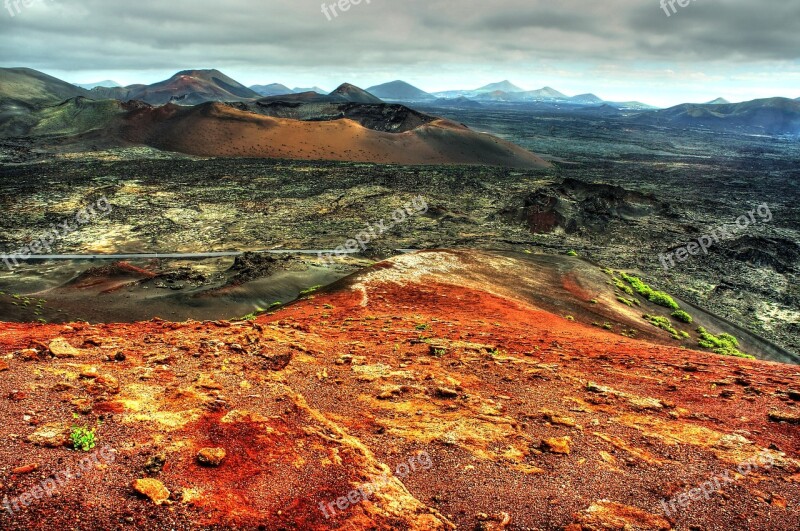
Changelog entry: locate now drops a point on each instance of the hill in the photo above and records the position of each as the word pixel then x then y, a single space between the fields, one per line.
pixel 189 87
pixel 31 87
pixel 349 92
pixel 215 129
pixel 105 84
pixel 764 116
pixel 502 86
pixel 400 91
pixel 274 89
pixel 390 400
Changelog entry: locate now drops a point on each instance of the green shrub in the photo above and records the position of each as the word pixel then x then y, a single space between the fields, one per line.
pixel 724 344
pixel 572 253
pixel 662 323
pixel 83 439
pixel 682 316
pixel 654 296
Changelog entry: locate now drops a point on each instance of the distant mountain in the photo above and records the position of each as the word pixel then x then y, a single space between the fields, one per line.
pixel 400 91
pixel 718 101
pixel 31 87
pixel 300 90
pixel 189 87
pixel 354 94
pixel 503 86
pixel 456 103
pixel 546 93
pixel 585 99
pixel 107 84
pixel 498 96
pixel 274 89
pixel 764 116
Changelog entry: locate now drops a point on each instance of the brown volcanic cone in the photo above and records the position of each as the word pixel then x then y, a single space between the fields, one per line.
pixel 513 417
pixel 219 130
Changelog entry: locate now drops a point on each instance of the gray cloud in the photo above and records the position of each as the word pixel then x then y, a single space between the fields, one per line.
pixel 97 35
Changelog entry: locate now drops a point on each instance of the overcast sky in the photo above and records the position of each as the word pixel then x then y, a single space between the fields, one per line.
pixel 618 49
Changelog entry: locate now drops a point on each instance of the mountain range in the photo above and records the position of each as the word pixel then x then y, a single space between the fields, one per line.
pixel 25 92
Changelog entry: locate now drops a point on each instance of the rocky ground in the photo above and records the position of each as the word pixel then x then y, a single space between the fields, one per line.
pixel 622 199
pixel 459 404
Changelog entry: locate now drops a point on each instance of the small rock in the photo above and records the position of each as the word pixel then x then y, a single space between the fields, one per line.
pixel 120 356
pixel 793 394
pixel 784 416
pixel 27 469
pixel 778 501
pixel 557 445
pixel 52 435
pixel 61 349
pixel 153 489
pixel 211 456
pixel 446 392
pixel 155 464
pixel 3 366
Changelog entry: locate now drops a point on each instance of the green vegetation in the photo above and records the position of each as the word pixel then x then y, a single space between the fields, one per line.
pixel 83 439
pixel 310 290
pixel 423 326
pixel 724 344
pixel 654 296
pixel 662 323
pixel 572 253
pixel 682 316
pixel 569 318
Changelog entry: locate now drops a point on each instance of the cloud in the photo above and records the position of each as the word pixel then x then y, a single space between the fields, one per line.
pixel 423 36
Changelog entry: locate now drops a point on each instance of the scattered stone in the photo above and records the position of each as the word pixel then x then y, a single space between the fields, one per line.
pixel 445 392
pixel 605 514
pixel 51 435
pixel 152 489
pixel 552 418
pixel 211 456
pixel 207 382
pixel 276 362
pixel 27 469
pixel 778 501
pixel 784 416
pixel 28 354
pixel 155 463
pixel 61 349
pixel 557 445
pixel 104 383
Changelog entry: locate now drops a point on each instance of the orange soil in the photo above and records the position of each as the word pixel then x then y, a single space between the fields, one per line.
pixel 341 388
pixel 219 130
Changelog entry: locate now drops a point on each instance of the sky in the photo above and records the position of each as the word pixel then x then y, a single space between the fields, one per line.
pixel 621 50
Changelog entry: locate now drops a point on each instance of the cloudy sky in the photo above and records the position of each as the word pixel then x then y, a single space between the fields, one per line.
pixel 618 49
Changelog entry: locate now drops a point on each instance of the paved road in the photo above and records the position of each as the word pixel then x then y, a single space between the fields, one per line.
pixel 134 256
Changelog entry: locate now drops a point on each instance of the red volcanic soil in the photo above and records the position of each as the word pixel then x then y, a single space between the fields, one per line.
pixel 215 129
pixel 512 417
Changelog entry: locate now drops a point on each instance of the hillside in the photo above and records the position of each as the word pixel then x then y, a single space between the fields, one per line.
pixel 765 116
pixel 31 87
pixel 221 130
pixel 418 392
pixel 400 91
